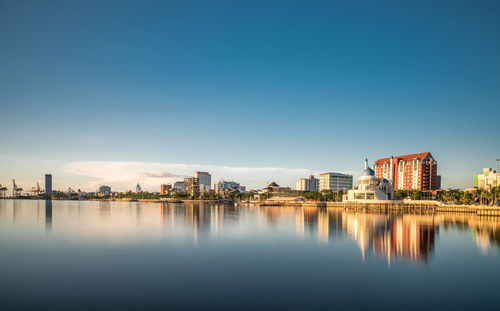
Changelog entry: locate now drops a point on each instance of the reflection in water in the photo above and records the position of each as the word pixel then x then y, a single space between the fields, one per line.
pixel 48 216
pixel 392 236
pixel 485 229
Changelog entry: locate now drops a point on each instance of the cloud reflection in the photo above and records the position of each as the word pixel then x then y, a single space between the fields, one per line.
pixel 411 238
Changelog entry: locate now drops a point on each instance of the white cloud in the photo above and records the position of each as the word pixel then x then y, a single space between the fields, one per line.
pixel 123 176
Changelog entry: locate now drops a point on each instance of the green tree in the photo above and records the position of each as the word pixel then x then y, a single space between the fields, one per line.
pixel 496 195
pixel 465 197
pixel 180 195
pixel 400 194
pixel 416 195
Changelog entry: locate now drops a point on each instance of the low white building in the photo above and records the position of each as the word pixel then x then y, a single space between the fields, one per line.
pixel 223 186
pixel 335 182
pixel 371 189
pixel 488 179
pixel 307 184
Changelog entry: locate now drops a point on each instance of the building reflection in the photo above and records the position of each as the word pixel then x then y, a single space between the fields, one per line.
pixel 485 229
pixel 407 237
pixel 48 216
pixel 394 236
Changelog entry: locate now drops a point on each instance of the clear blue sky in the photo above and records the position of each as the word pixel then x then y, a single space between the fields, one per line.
pixel 318 85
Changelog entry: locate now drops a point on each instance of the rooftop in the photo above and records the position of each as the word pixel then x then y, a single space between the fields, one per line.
pixel 408 157
pixel 335 174
pixel 202 173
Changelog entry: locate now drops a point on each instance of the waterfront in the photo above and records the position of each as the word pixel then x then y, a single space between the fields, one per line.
pixel 134 255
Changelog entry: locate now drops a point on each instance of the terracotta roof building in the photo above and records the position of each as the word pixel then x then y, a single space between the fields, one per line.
pixel 275 188
pixel 409 172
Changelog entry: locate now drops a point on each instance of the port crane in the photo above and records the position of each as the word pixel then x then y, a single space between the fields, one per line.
pixel 3 190
pixel 16 191
pixel 37 190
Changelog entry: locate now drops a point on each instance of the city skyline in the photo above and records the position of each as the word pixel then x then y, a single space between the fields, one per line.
pixel 257 91
pixel 124 176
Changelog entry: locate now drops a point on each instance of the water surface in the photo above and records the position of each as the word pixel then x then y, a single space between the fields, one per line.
pixel 81 255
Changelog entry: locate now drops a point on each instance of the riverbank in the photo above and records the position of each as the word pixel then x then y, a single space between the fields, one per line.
pixel 408 207
pixel 404 207
pixel 166 201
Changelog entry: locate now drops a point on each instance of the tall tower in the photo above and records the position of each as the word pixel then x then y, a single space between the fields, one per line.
pixel 48 184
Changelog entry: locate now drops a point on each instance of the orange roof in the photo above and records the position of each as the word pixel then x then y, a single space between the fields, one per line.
pixel 407 158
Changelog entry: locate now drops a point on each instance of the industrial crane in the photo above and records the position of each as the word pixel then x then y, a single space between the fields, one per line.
pixel 15 190
pixel 3 190
pixel 36 191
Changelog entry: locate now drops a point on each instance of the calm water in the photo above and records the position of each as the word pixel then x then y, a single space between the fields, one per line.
pixel 99 255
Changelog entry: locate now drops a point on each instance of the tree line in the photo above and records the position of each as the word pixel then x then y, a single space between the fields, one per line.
pixel 455 196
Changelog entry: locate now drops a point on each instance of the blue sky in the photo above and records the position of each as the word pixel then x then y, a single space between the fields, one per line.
pixel 291 85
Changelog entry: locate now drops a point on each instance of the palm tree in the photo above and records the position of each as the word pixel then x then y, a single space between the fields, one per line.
pixel 484 196
pixel 444 196
pixel 476 196
pixel 489 197
pixel 496 195
pixel 465 197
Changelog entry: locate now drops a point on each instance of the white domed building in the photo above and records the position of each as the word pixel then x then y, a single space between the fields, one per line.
pixel 371 189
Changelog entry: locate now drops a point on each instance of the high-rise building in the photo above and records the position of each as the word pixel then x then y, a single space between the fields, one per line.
pixel 488 179
pixel 308 184
pixel 138 188
pixel 204 181
pixel 335 182
pixel 191 185
pixel 409 172
pixel 48 184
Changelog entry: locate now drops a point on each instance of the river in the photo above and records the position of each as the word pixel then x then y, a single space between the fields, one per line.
pixel 82 255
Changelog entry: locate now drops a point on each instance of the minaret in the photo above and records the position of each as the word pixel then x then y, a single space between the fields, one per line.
pixel 366 164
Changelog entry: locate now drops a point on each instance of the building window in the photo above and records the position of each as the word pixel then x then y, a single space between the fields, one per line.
pixel 359 196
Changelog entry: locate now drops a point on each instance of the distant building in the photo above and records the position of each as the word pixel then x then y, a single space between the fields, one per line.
pixel 308 184
pixel 103 190
pixel 204 181
pixel 191 186
pixel 227 186
pixel 179 186
pixel 166 188
pixel 371 188
pixel 409 172
pixel 335 182
pixel 275 188
pixel 138 188
pixel 48 184
pixel 488 179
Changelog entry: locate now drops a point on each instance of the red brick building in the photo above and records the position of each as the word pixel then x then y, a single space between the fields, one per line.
pixel 409 172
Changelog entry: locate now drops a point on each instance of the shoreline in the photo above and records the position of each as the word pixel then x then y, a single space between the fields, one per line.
pixel 427 207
